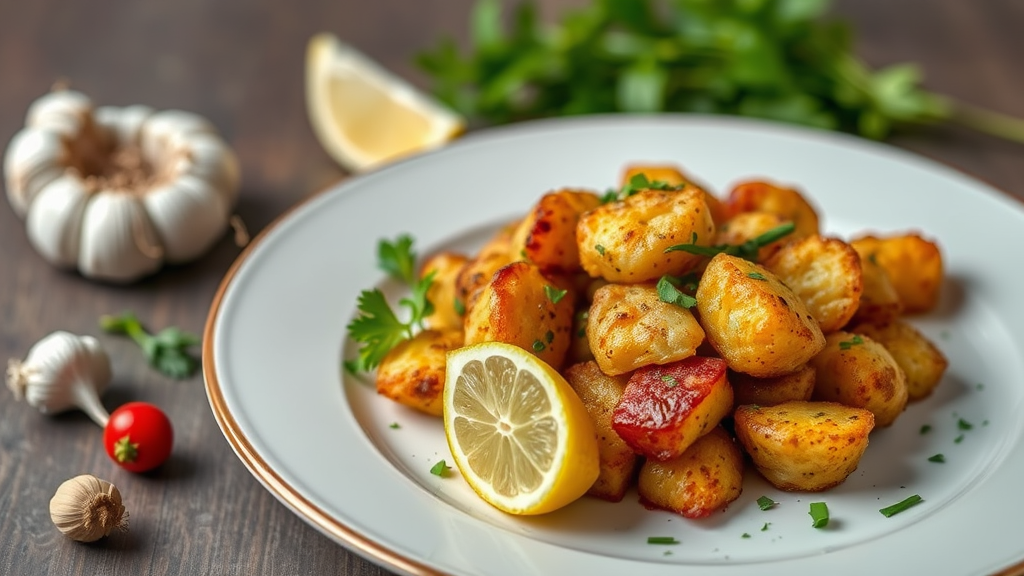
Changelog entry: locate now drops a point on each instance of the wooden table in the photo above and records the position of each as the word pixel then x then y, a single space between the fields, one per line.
pixel 240 64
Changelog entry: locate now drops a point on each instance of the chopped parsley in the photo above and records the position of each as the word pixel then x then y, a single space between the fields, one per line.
pixel 819 514
pixel 937 458
pixel 857 340
pixel 668 292
pixel 599 248
pixel 756 276
pixel 398 259
pixel 765 503
pixel 662 540
pixel 900 506
pixel 925 428
pixel 747 250
pixel 670 380
pixel 554 294
pixel 440 469
pixel 378 329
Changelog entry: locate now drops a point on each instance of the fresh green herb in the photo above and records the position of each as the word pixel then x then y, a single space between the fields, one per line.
pixel 378 329
pixel 538 346
pixel 747 250
pixel 765 527
pixel 670 380
pixel 925 428
pixel 857 340
pixel 351 366
pixel 745 535
pixel 440 469
pixel 636 183
pixel 964 424
pixel 662 540
pixel 819 514
pixel 786 60
pixel 394 426
pixel 397 259
pixel 900 506
pixel 600 249
pixel 958 439
pixel 554 294
pixel 668 292
pixel 756 276
pixel 460 307
pixel 937 458
pixel 549 336
pixel 166 351
pixel 764 503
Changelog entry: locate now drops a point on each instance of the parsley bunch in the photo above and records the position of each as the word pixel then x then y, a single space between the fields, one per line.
pixel 167 351
pixel 774 59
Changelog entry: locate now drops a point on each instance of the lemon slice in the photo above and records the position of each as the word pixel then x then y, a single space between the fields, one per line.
pixel 365 116
pixel 518 432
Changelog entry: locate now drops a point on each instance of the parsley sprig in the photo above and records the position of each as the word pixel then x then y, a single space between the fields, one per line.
pixel 167 351
pixel 636 183
pixel 747 250
pixel 785 60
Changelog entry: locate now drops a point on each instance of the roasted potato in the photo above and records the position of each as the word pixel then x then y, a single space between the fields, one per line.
pixel 629 326
pixel 664 409
pixel 857 371
pixel 747 389
pixel 749 225
pixel 674 176
pixel 413 372
pixel 922 362
pixel 579 349
pixel 600 393
pixel 754 321
pixel 625 241
pixel 804 446
pixel 879 302
pixel 517 307
pixel 702 480
pixel 914 266
pixel 448 307
pixel 761 196
pixel 825 274
pixel 479 270
pixel 547 236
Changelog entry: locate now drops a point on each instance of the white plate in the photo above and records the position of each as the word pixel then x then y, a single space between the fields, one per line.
pixel 323 442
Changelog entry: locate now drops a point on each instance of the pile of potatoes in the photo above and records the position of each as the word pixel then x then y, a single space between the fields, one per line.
pixel 787 360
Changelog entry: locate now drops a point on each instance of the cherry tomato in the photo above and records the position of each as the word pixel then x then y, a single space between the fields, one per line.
pixel 138 436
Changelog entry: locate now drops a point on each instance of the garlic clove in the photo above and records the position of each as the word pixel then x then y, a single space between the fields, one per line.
pixel 118 241
pixel 86 508
pixel 60 371
pixel 189 214
pixel 34 158
pixel 124 123
pixel 168 132
pixel 54 223
pixel 210 159
pixel 62 111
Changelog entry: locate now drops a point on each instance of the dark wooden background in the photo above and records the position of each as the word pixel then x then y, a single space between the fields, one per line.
pixel 240 64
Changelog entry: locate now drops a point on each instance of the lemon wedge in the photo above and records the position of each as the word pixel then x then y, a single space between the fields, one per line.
pixel 363 115
pixel 518 433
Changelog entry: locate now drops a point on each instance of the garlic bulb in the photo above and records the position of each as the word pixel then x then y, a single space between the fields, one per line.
pixel 60 372
pixel 86 509
pixel 116 192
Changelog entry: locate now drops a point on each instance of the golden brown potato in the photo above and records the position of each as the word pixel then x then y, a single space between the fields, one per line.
pixel 761 196
pixel 754 321
pixel 517 307
pixel 579 349
pixel 448 308
pixel 810 446
pixel 413 372
pixel 879 302
pixel 856 371
pixel 922 362
pixel 664 409
pixel 479 270
pixel 547 235
pixel 747 389
pixel 749 225
pixel 625 241
pixel 600 393
pixel 704 479
pixel 825 274
pixel 914 266
pixel 674 176
pixel 629 326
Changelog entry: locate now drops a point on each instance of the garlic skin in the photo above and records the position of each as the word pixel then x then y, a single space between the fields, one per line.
pixel 86 508
pixel 63 371
pixel 117 192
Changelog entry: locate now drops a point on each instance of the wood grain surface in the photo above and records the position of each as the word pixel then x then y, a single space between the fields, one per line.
pixel 240 64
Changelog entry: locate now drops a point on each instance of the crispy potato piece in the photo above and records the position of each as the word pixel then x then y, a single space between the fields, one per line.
pixel 879 302
pixel 625 241
pixel 664 409
pixel 516 308
pixel 922 362
pixel 771 391
pixel 479 270
pixel 413 372
pixel 857 371
pixel 600 393
pixel 754 321
pixel 811 446
pixel 762 196
pixel 914 266
pixel 448 307
pixel 674 176
pixel 749 225
pixel 579 349
pixel 825 274
pixel 704 479
pixel 628 326
pixel 547 235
